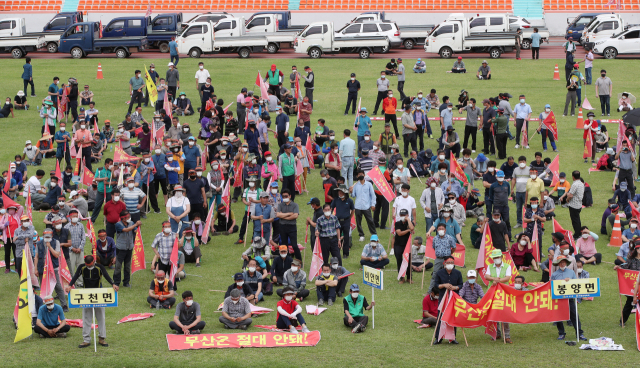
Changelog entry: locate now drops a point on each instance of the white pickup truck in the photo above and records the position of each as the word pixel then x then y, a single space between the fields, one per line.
pixel 453 35
pixel 319 38
pixel 16 28
pixel 625 42
pixel 21 46
pixel 409 35
pixel 600 28
pixel 201 38
pixel 497 23
pixel 264 26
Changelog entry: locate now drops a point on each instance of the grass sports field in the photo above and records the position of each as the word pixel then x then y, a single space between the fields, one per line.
pixel 395 341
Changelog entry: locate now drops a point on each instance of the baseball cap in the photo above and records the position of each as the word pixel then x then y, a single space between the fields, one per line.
pixel 459 57
pixel 547 106
pixel 374 237
pixel 170 64
pixel 283 247
pixel 354 287
pixel 238 276
pixel 471 273
pixel 313 200
pixel 260 262
pixel 500 174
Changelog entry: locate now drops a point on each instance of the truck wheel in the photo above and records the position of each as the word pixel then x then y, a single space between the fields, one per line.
pixel 244 53
pixel 495 53
pixel 408 44
pixel 121 53
pixel 526 44
pixel 610 53
pixel 272 48
pixel 364 53
pixel 76 53
pixel 164 47
pixel 17 53
pixel 52 47
pixel 315 53
pixel 445 52
pixel 195 53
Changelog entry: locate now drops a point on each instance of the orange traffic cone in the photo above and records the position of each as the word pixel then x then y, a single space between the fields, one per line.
pixel 100 76
pixel 616 234
pixel 556 73
pixel 580 121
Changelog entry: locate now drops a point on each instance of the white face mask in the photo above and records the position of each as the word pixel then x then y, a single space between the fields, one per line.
pixel 491 169
pixel 185 129
pixel 274 191
pixel 353 79
pixel 286 200
pixel 201 67
pixel 158 151
pixel 517 286
pixel 121 130
pixel 523 242
pixel 565 252
pixel 294 269
pixel 191 143
pixel 562 268
pixel 441 232
pixel 75 219
pixel 223 156
pixel 116 198
pixel 382 77
pixel 255 111
pixel 433 185
pixel 367 139
pixel 420 96
pixel 334 266
pixel 522 100
pixel 500 179
pixel 146 160
pixel 50 306
pixel 449 267
pixel 522 165
pixel 199 174
pixel 327 213
pixel 130 185
pixel 82 126
pixel 244 149
pixel 269 159
pixel 53 185
pixel 59 226
pixel 188 303
pixel 547 109
pixel 252 184
pixel 545 198
pixel 166 230
pixel 533 177
pixel 283 255
pixel 288 298
pixel 405 194
pixel 240 283
pixel 633 226
pixel 579 270
pixel 446 214
pixel 214 167
pixel 590 118
pixel 400 167
pixel 178 195
pixel 562 180
pixel 441 157
pixel 29 147
pixel 452 201
pixel 62 129
pixel 197 222
pixel 497 262
pixel 326 274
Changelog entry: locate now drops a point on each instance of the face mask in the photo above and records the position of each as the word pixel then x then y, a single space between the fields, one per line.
pixel 288 298
pixel 82 126
pixel 335 266
pixel 59 226
pixel 353 79
pixel 390 96
pixel 547 109
pixel 534 206
pixel 274 191
pixel 500 179
pixel 326 274
pixel 452 201
pixel 373 244
pixel 565 252
pixel 497 262
pixel 240 283
pixel 441 232
pixel 255 111
pixel 188 303
pixel 223 156
pixel 361 177
pixel 545 198
pixel 533 177
pixel 433 185
pixel 130 185
pixel 47 238
pixel 400 167
pixel 286 200
pixel 562 268
pixel 562 180
pixel 53 185
pixel 579 270
pixel 420 96
pixel 522 165
pixel 523 242
pixel 449 108
pixel 294 269
pixel 405 194
pixel 178 195
pixel 449 267
pixel 251 184
pixel 517 286
pixel 471 281
pixel 62 129
pixel 603 75
pixel 383 77
pixel 441 157
pixel 191 143
pixel 522 100
pixel 201 67
pixel 50 306
pixel 446 214
pixel 244 149
pixel 327 213
pixel 367 139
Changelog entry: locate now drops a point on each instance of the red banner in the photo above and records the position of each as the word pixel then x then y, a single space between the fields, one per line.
pixel 568 235
pixel 455 168
pixel 237 178
pixel 554 167
pixel 316 260
pixel 136 317
pixel 484 257
pixel 87 176
pixel 588 147
pixel 381 183
pixel 137 259
pixel 503 303
pixel 242 340
pixel 76 167
pixel 405 259
pixel 458 254
pixel 627 281
pixel 58 172
pixel 552 125
pixel 119 155
pixel 92 238
pixel 48 276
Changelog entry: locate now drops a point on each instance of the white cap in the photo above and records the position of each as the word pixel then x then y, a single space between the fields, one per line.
pixel 73 193
pixel 471 273
pixel 170 64
pixel 20 93
pixel 27 142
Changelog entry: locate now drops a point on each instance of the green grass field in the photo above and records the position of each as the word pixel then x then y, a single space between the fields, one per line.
pixel 395 341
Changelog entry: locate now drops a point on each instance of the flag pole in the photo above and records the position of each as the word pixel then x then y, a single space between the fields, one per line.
pixel 465 338
pixel 621 310
pixel 95 343
pixel 504 338
pixel 373 309
pixel 247 224
pixel 439 316
pixel 423 267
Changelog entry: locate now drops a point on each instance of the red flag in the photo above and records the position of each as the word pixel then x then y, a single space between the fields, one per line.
pixel 634 210
pixel 316 261
pixel 209 105
pixel 637 330
pixel 524 141
pixel 100 29
pixel 568 235
pixel 534 243
pixel 207 223
pixel 92 237
pixel 226 197
pixel 405 259
pixel 87 176
pixel 65 275
pixel 10 202
pixel 457 170
pixel 258 79
pixel 237 178
pixel 167 104
pixel 58 172
pixel 458 254
pixel 28 206
pixel 588 149
pixel 119 155
pixel 174 260
pixel 552 125
pixel 554 167
pixel 7 185
pixel 227 108
pixel 48 276
pixel 263 87
pixel 381 183
pixel 137 259
pixel 148 12
pixel 309 148
pixel 76 168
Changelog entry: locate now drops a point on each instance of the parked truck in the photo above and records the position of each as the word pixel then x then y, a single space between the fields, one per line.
pixel 409 35
pixel 576 25
pixel 602 27
pixel 213 17
pixel 497 23
pixel 319 39
pixel 453 35
pixel 282 19
pixel 61 21
pixel 235 27
pixel 20 46
pixel 16 28
pixel 157 31
pixel 201 38
pixel 82 39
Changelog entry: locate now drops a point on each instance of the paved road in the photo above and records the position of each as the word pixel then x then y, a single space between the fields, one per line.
pixel 551 50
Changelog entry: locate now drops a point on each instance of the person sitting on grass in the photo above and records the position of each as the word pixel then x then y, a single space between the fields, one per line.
pixel 418 263
pixel 354 306
pixel 187 319
pixel 374 255
pixel 289 312
pixel 51 321
pixel 326 285
pixel 430 309
pixel 236 311
pixel 254 279
pixel 258 248
pixel 587 245
pixel 161 294
pixel 190 246
pixel 241 286
pixel 221 224
pixel 471 291
pixel 297 279
pixel 522 253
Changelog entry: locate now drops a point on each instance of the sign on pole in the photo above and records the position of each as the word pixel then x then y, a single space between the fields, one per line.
pixel 374 278
pixel 93 298
pixel 573 289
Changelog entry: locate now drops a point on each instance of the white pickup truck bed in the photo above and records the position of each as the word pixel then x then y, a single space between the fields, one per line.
pixel 20 46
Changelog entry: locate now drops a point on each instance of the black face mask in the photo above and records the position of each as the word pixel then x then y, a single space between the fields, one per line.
pixel 603 75
pixel 192 177
pixel 360 177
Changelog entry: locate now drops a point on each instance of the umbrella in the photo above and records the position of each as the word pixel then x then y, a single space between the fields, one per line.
pixel 632 98
pixel 632 117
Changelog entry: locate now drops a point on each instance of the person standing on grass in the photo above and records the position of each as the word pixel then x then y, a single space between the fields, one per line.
pixel 447 279
pixel 288 212
pixel 383 90
pixel 471 124
pixel 309 83
pixel 604 91
pixel 574 202
pixel 27 76
pixel 173 51
pixel 136 84
pixel 535 44
pixel 365 203
pixel 353 86
pixel 401 78
pixel 518 43
pixel 565 273
pixel 588 65
pixel 409 129
pixel 173 80
pixel 522 113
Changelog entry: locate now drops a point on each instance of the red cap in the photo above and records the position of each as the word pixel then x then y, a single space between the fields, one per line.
pixel 459 57
pixel 267 153
pixel 273 66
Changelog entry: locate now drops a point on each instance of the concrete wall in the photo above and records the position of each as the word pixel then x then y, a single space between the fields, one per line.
pixel 555 21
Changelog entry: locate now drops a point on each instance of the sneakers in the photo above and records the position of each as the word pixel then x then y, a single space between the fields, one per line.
pixel 583 338
pixel 8 270
pixel 454 342
pixel 339 294
pixel 305 329
pixel 197 264
pixel 65 309
pixel 157 212
pixel 356 329
pixel 240 241
pixel 330 303
pixel 321 302
pixel 292 329
pixel 561 336
pixel 527 147
pixel 431 136
pixel 508 341
pixel 362 238
pixel 243 327
pixel 473 151
pixel 517 146
pixel 62 335
pixel 517 226
pixel 195 332
pixel 84 345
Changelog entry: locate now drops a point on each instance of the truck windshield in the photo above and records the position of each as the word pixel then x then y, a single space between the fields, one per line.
pixel 312 30
pixel 443 30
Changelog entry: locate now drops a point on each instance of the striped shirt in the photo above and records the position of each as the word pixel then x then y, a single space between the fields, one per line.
pixel 131 198
pixel 234 310
pixel 327 227
pixel 471 292
pixel 164 245
pixel 366 164
pixel 78 235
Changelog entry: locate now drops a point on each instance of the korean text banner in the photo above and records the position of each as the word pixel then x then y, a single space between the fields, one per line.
pixel 627 281
pixel 381 183
pixel 93 298
pixel 242 340
pixel 503 303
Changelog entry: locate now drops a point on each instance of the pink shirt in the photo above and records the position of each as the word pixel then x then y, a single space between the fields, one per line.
pixel 586 247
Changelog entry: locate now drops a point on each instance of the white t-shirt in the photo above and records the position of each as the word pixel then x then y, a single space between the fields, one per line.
pixel 202 75
pixel 33 186
pixel 252 194
pixel 401 202
pixel 499 269
pixel 174 202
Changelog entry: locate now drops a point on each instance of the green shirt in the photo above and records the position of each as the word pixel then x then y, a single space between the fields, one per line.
pixel 502 122
pixel 288 164
pixel 103 173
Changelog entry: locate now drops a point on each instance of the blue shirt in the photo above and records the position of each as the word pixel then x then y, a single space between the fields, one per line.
pixel 630 234
pixel 302 133
pixel 422 102
pixel 561 275
pixel 252 138
pixel 173 48
pixel 455 187
pixel 173 175
pixel 281 122
pixel 522 111
pixel 535 39
pixel 28 71
pixel 147 169
pixel 347 147
pixel 443 246
pixel 17 176
pixel 52 195
pixel 364 194
pixel 343 207
pixel 159 161
pixel 452 226
pixel 364 125
pixel 447 118
pixel 191 155
pixel 624 251
pixel 49 318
